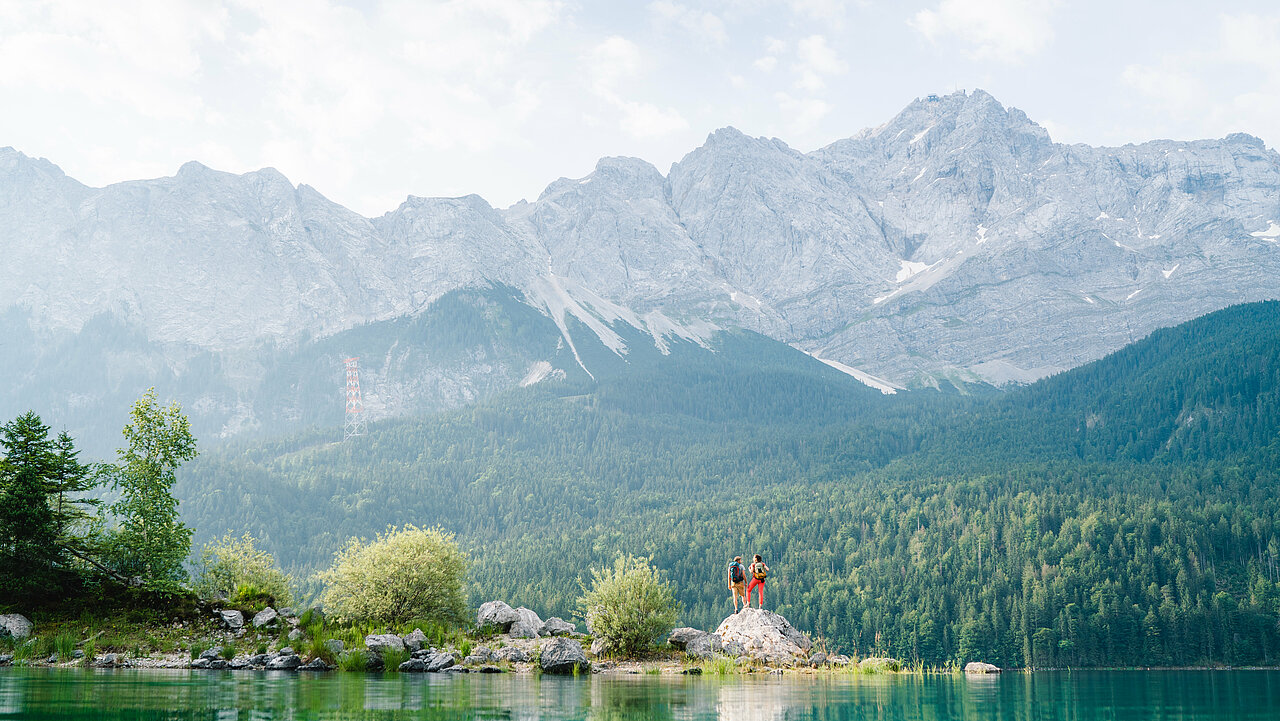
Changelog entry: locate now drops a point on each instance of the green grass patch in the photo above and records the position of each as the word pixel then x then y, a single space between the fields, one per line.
pixel 353 660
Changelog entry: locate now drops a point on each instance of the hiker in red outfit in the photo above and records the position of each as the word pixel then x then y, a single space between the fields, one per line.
pixel 759 571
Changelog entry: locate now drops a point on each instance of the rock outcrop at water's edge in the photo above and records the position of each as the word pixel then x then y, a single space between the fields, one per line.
pixel 764 634
pixel 979 667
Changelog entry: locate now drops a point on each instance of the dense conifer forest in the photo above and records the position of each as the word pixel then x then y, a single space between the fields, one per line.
pixel 1123 513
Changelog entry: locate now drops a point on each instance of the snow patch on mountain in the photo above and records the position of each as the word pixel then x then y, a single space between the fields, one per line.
pixel 1271 233
pixel 880 384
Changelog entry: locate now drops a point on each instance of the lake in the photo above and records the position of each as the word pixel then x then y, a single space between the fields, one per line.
pixel 40 694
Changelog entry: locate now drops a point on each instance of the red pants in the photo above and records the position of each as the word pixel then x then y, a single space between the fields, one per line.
pixel 750 586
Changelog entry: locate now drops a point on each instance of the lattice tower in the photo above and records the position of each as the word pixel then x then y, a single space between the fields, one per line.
pixel 355 423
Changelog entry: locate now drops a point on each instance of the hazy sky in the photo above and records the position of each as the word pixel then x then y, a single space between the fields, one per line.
pixel 370 101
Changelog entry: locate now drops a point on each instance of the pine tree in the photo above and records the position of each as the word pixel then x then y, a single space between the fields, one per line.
pixel 27 528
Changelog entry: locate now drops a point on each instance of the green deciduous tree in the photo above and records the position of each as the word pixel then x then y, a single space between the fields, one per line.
pixel 151 541
pixel 405 574
pixel 235 569
pixel 628 606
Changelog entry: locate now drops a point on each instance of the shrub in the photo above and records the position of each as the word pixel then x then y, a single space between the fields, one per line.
pixel 628 606
pixel 405 574
pixel 233 568
pixel 228 651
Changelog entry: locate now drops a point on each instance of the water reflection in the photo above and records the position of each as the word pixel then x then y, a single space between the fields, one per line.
pixel 41 694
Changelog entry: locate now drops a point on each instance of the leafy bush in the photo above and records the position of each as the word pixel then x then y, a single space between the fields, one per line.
pixel 628 606
pixel 235 569
pixel 405 574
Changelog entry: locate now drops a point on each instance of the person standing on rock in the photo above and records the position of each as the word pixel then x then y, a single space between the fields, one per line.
pixel 759 572
pixel 738 582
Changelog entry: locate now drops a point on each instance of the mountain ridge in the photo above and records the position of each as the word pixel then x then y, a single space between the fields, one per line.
pixel 956 243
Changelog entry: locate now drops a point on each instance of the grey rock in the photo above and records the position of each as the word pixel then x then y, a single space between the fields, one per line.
pixel 77 653
pixel 528 625
pixel 455 669
pixel 838 660
pixel 703 647
pixel 286 651
pixel 202 663
pixel 334 646
pixel 480 655
pixel 110 659
pixel 284 663
pixel 238 663
pixel 315 664
pixel 413 665
pixel 691 671
pixel 681 637
pixel 597 647
pixel 557 627
pixel 439 662
pixel 496 614
pixel 416 640
pixel 818 659
pixel 379 641
pixel 764 632
pixel 259 659
pixel 210 653
pixel 422 653
pixel 6 659
pixel 286 612
pixel 562 656
pixel 980 667
pixel 733 648
pixel 265 618
pixel 15 626
pixel 295 634
pixel 511 654
pixel 231 619
pixel 489 669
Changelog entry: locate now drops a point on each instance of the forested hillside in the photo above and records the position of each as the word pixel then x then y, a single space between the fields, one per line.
pixel 1123 513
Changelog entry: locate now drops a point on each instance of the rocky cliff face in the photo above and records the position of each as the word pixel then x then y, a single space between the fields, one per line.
pixel 955 241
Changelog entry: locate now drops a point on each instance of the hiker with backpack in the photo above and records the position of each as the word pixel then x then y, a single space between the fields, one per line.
pixel 759 571
pixel 738 582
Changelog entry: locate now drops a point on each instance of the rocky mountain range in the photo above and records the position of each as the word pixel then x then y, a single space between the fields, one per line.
pixel 956 243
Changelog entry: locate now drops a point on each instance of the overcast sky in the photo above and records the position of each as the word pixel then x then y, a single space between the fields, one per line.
pixel 370 101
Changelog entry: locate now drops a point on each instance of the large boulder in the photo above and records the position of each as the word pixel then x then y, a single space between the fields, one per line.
pixel 15 626
pixel 232 619
pixel 980 667
pixel 562 655
pixel 289 662
pixel 415 641
pixel 527 626
pixel 497 615
pixel 510 654
pixel 265 618
pixel 704 646
pixel 681 637
pixel 760 632
pixel 334 646
pixel 377 642
pixel 557 627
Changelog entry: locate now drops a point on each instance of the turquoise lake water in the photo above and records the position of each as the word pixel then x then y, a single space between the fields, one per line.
pixel 39 694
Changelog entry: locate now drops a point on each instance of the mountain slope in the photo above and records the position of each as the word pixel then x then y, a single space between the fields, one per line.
pixel 956 243
pixel 930 526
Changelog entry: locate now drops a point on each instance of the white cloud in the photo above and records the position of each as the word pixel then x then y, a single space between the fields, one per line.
pixel 705 26
pixel 1230 84
pixel 801 114
pixel 616 61
pixel 829 10
pixel 1004 30
pixel 815 61
pixel 766 64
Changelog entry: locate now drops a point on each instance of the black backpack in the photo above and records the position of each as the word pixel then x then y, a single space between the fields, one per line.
pixel 736 572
